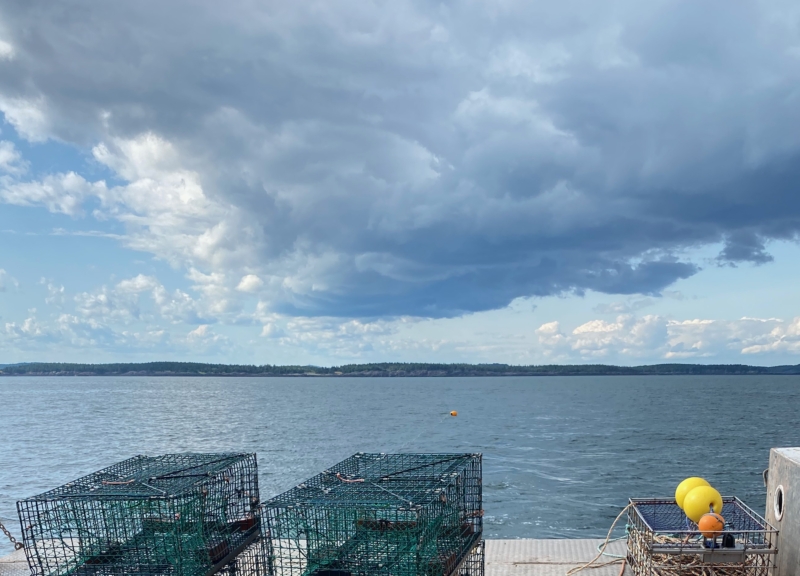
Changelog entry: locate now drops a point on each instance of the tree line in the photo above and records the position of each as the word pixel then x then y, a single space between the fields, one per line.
pixel 381 369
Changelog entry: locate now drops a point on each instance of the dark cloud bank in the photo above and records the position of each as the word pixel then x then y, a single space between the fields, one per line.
pixel 452 156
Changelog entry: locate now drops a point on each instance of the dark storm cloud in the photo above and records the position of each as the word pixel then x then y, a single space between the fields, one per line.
pixel 744 247
pixel 447 157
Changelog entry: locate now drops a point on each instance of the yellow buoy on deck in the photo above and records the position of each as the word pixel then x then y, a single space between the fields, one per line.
pixel 700 501
pixel 686 486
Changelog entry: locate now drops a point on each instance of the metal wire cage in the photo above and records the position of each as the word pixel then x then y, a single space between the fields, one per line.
pixel 663 541
pixel 177 514
pixel 380 514
pixel 475 562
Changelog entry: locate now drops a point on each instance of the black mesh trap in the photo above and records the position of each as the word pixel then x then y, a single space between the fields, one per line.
pixel 177 514
pixel 475 563
pixel 375 514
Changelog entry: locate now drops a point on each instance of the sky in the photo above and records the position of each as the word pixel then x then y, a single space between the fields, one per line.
pixel 341 181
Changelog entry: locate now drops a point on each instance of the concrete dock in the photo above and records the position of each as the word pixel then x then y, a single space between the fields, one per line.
pixel 524 557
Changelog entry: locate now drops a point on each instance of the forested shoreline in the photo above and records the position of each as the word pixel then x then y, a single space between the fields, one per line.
pixel 381 370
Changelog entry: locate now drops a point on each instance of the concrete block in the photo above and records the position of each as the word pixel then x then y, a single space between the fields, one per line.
pixel 783 507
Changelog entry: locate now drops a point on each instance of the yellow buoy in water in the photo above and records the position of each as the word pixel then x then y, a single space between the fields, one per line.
pixel 453 413
pixel 700 501
pixel 686 486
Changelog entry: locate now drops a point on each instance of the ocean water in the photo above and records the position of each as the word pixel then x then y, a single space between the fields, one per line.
pixel 561 455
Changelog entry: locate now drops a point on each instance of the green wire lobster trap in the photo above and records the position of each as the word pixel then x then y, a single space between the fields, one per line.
pixel 381 514
pixel 171 515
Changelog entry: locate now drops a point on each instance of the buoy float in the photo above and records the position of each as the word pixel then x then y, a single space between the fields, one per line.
pixel 686 486
pixel 453 413
pixel 711 525
pixel 700 501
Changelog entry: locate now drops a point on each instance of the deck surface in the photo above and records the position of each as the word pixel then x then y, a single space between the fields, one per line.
pixel 14 564
pixel 525 557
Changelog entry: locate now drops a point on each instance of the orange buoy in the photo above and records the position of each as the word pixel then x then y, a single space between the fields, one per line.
pixel 453 413
pixel 711 525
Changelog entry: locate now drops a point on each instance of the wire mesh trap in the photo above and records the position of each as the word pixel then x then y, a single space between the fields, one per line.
pixel 475 562
pixel 177 514
pixel 380 514
pixel 663 541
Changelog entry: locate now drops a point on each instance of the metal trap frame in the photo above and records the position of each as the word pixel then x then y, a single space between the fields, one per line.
pixel 663 541
pixel 380 514
pixel 176 515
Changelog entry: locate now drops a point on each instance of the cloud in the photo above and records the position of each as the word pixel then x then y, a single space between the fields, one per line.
pixel 163 207
pixel 74 334
pixel 744 246
pixel 332 336
pixel 28 116
pixel 784 338
pixel 6 280
pixel 206 339
pixel 123 302
pixel 63 193
pixel 29 329
pixel 365 160
pixel 11 161
pixel 6 50
pixel 56 295
pixel 708 338
pixel 624 307
pixel 626 336
pixel 631 339
pixel 140 315
pixel 250 283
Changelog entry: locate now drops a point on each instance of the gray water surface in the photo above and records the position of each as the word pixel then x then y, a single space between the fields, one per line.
pixel 561 455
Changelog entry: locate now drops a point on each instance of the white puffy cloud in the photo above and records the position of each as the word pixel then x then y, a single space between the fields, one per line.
pixel 630 338
pixel 56 294
pixel 204 338
pixel 64 193
pixel 327 336
pixel 627 335
pixel 11 161
pixel 250 283
pixel 784 338
pixel 165 209
pixel 627 339
pixel 551 339
pixel 123 302
pixel 28 329
pixel 163 205
pixel 707 338
pixel 28 116
pixel 74 334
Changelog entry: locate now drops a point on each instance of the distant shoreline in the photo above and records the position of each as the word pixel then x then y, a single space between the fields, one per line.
pixel 389 370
